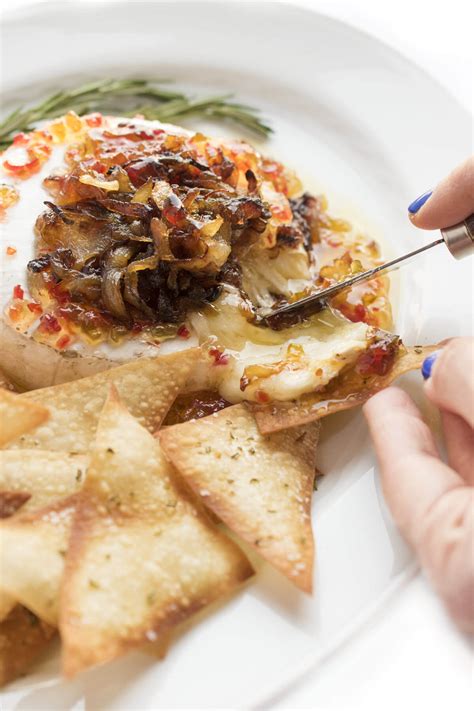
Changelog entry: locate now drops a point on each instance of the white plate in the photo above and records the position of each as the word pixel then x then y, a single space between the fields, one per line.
pixel 370 129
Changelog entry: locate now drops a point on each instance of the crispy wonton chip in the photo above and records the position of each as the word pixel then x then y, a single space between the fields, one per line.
pixel 346 391
pixel 148 387
pixel 32 479
pixel 18 416
pixel 32 550
pixel 22 638
pixel 261 487
pixel 142 554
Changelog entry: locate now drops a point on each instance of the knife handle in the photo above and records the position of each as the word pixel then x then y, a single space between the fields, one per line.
pixel 459 239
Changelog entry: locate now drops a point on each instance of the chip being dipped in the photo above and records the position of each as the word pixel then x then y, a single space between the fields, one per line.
pixel 352 388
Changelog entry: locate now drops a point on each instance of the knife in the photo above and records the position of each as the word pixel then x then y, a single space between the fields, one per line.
pixel 459 239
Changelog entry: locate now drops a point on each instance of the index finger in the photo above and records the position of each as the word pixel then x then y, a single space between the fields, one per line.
pixel 449 203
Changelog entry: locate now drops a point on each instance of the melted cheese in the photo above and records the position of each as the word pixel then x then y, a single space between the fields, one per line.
pixel 324 345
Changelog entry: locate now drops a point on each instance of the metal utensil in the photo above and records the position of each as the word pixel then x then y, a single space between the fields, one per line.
pixel 459 239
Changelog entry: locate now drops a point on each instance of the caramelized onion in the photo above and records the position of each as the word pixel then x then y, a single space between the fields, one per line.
pixel 130 209
pixel 112 275
pixel 130 290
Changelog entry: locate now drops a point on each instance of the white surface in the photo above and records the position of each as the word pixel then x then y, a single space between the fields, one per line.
pixel 399 661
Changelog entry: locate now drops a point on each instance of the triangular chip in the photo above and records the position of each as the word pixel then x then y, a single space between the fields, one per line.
pixel 22 638
pixel 261 487
pixel 142 555
pixel 32 479
pixel 39 476
pixel 18 416
pixel 348 390
pixel 32 551
pixel 148 387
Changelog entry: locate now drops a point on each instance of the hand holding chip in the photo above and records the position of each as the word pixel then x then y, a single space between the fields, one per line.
pixel 431 501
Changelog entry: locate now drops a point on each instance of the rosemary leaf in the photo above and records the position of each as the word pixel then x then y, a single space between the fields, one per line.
pixel 128 97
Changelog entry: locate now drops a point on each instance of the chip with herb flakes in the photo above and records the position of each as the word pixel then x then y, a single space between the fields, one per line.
pixel 143 555
pixel 32 550
pixel 261 487
pixel 148 387
pixel 30 480
pixel 351 389
pixel 18 416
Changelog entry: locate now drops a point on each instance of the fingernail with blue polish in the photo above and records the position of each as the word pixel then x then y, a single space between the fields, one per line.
pixel 419 202
pixel 428 363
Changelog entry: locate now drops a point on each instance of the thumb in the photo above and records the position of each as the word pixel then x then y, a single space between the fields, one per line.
pixel 449 203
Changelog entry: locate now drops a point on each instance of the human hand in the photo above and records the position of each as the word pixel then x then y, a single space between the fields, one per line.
pixel 433 502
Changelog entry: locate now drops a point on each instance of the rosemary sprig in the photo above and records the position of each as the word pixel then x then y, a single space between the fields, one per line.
pixel 127 97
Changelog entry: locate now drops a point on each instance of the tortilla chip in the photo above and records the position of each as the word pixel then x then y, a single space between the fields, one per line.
pixel 18 416
pixel 261 487
pixel 33 479
pixel 22 638
pixel 32 550
pixel 148 387
pixel 142 554
pixel 348 390
pixel 40 476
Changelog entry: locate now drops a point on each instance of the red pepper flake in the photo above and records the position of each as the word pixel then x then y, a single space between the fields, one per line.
pixel 137 327
pixel 218 356
pixel 11 251
pixel 378 359
pixel 183 332
pixel 34 307
pixel 18 292
pixel 58 293
pixel 262 397
pixel 14 312
pixel 25 170
pixel 49 324
pixel 94 120
pixel 99 167
pixel 63 342
pixel 353 313
pixel 21 139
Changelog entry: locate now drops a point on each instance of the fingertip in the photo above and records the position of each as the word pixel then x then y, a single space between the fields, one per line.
pixel 415 207
pixel 387 399
pixel 429 363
